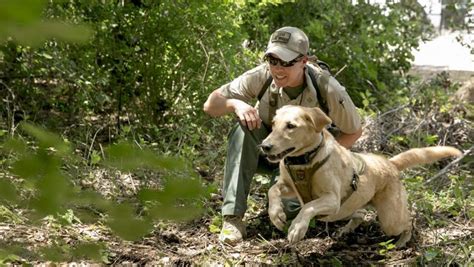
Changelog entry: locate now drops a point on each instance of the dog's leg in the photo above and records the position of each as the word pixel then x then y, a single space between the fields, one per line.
pixel 356 219
pixel 275 205
pixel 357 200
pixel 392 211
pixel 324 205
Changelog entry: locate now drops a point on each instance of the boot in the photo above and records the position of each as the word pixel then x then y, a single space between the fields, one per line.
pixel 233 230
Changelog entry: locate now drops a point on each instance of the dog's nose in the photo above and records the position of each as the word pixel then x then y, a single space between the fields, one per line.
pixel 266 147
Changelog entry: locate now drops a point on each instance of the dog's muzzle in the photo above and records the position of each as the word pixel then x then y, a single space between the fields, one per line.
pixel 267 148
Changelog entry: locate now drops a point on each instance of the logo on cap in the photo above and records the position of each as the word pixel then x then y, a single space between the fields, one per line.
pixel 281 37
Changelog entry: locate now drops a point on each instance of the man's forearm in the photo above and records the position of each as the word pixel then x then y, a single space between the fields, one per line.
pixel 347 140
pixel 217 105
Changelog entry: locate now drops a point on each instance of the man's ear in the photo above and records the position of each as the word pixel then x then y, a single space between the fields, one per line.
pixel 318 118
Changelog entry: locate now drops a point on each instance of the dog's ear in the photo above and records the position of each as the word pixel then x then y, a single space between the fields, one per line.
pixel 318 118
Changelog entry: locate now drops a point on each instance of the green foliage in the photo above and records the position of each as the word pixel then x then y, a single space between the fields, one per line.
pixel 83 250
pixel 386 247
pixel 156 61
pixel 431 254
pixel 7 256
pixel 26 25
pixel 7 215
pixel 455 15
pixel 40 165
pixel 150 66
pixel 126 157
pixel 216 224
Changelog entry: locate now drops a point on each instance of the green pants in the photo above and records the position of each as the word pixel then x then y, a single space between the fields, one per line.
pixel 242 162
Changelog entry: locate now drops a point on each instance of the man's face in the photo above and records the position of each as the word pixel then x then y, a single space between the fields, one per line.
pixel 291 76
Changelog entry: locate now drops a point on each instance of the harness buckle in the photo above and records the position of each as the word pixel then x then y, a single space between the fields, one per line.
pixel 355 180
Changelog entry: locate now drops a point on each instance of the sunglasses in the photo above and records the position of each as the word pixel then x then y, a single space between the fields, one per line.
pixel 274 61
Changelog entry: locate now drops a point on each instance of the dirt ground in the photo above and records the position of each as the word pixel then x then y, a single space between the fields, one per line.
pixel 193 243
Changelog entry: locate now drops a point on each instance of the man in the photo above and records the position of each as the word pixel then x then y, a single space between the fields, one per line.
pixel 287 58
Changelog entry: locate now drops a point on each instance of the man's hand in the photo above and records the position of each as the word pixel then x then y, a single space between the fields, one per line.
pixel 247 114
pixel 218 105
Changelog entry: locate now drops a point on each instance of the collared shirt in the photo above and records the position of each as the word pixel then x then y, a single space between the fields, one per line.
pixel 342 110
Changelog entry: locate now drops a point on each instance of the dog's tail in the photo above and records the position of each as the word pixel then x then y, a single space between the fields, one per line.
pixel 425 155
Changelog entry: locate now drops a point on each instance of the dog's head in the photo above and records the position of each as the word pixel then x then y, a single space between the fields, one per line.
pixel 295 130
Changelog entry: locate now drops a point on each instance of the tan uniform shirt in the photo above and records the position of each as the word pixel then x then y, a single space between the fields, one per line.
pixel 342 110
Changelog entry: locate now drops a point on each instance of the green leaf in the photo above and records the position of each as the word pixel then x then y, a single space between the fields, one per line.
pixel 86 198
pixel 47 139
pixel 128 157
pixel 7 256
pixel 126 224
pixel 20 12
pixel 180 199
pixel 53 253
pixel 431 254
pixel 173 190
pixel 29 166
pixel 7 191
pixel 214 229
pixel 92 251
pixel 431 139
pixel 53 191
pixel 15 145
pixel 68 218
pixel 95 157
pixel 45 55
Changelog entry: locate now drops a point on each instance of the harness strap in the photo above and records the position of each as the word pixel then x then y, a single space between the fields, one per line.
pixel 302 178
pixel 324 81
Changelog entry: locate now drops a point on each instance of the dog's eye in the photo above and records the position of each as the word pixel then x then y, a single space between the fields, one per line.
pixel 290 125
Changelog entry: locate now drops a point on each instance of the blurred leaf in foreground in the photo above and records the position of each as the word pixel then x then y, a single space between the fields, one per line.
pixel 126 224
pixel 89 251
pixel 127 157
pixel 22 21
pixel 47 139
pixel 179 200
pixel 7 190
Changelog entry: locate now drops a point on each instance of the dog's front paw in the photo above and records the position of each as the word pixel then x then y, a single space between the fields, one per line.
pixel 297 230
pixel 277 216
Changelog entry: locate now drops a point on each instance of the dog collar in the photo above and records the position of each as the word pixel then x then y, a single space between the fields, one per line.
pixel 306 157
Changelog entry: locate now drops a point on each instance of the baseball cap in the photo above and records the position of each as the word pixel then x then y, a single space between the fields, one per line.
pixel 288 43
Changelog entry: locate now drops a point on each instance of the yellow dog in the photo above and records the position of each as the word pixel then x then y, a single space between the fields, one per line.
pixel 333 183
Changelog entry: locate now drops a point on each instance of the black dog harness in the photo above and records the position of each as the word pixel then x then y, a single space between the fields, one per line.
pixel 302 177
